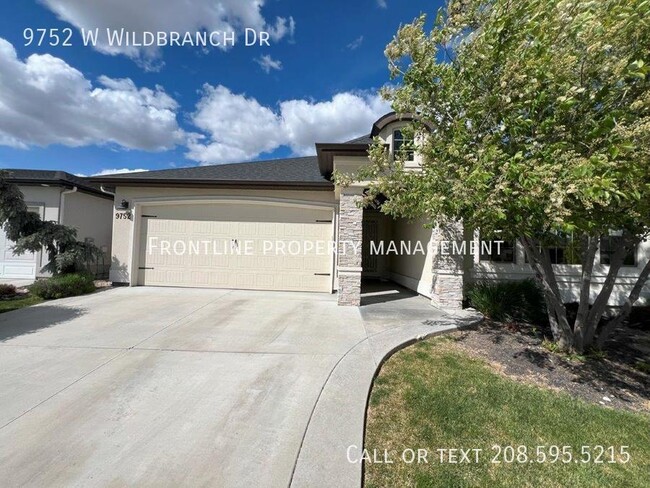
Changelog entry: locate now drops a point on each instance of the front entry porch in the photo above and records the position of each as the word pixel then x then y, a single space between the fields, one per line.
pixel 398 251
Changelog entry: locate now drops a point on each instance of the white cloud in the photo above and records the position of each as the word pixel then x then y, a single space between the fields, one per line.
pixel 43 101
pixel 166 15
pixel 382 3
pixel 356 43
pixel 239 128
pixel 267 63
pixel 346 116
pixel 120 171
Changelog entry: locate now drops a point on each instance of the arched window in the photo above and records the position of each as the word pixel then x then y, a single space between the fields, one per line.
pixel 402 146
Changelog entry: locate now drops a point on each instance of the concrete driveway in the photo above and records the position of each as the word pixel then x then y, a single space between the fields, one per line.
pixel 191 387
pixel 176 387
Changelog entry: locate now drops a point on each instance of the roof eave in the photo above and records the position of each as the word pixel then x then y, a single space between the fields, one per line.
pixel 202 183
pixel 327 151
pixel 58 182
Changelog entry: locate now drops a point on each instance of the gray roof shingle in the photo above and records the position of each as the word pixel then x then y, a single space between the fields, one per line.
pixel 367 139
pixel 289 170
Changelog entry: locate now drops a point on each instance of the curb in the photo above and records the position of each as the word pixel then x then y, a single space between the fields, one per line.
pixel 338 419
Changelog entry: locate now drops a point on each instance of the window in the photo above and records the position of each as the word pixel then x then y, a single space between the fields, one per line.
pixel 608 245
pixel 566 249
pixel 402 146
pixel 498 251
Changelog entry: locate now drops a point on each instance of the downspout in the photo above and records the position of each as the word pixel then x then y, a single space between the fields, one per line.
pixel 62 202
pixel 102 188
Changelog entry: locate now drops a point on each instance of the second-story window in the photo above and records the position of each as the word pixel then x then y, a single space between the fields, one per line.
pixel 402 146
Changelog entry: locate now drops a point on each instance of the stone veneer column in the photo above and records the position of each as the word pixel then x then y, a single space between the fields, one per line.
pixel 448 268
pixel 349 240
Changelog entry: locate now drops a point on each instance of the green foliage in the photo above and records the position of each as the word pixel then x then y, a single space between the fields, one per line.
pixel 643 366
pixel 68 285
pixel 541 112
pixel 18 303
pixel 31 234
pixel 533 120
pixel 7 290
pixel 508 301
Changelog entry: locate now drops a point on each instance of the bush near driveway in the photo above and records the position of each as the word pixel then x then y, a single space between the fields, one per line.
pixel 432 396
pixel 7 290
pixel 509 301
pixel 61 286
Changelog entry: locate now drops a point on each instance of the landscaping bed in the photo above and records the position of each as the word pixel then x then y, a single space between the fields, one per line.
pixel 12 298
pixel 618 377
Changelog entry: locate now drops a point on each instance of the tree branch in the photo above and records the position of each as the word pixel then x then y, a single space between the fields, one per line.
pixel 610 326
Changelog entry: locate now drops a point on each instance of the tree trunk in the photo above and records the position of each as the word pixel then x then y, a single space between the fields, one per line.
pixel 541 262
pixel 580 326
pixel 610 326
pixel 601 301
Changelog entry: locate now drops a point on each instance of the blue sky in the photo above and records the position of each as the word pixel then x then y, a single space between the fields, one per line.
pixel 88 109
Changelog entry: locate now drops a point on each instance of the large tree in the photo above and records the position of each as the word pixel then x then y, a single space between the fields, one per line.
pixel 31 234
pixel 534 122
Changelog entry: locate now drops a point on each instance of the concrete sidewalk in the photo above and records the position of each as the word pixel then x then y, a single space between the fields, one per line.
pixel 338 420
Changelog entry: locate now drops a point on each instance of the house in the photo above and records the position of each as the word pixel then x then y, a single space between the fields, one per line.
pixel 283 225
pixel 64 198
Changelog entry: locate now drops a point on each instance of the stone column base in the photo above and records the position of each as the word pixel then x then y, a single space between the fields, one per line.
pixel 447 291
pixel 349 287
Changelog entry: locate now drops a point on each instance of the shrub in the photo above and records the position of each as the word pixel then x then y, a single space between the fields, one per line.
pixel 7 290
pixel 508 301
pixel 61 286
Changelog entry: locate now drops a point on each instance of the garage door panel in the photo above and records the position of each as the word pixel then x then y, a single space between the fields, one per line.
pixel 286 266
pixel 15 266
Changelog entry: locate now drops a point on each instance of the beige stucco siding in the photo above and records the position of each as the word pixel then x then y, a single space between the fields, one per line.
pixel 412 271
pixel 91 216
pixel 46 199
pixel 125 240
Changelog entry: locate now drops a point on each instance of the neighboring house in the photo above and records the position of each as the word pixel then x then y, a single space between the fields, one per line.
pixel 64 198
pixel 220 209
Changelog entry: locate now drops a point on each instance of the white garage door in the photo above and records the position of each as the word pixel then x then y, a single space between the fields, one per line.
pixel 15 267
pixel 254 246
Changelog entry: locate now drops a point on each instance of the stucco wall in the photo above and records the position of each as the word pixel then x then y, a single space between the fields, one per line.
pixel 93 218
pixel 123 229
pixel 412 271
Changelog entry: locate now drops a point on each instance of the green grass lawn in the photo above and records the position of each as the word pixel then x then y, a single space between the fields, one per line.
pixel 15 304
pixel 433 396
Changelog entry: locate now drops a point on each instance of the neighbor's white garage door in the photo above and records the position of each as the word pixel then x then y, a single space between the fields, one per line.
pixel 15 267
pixel 228 245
